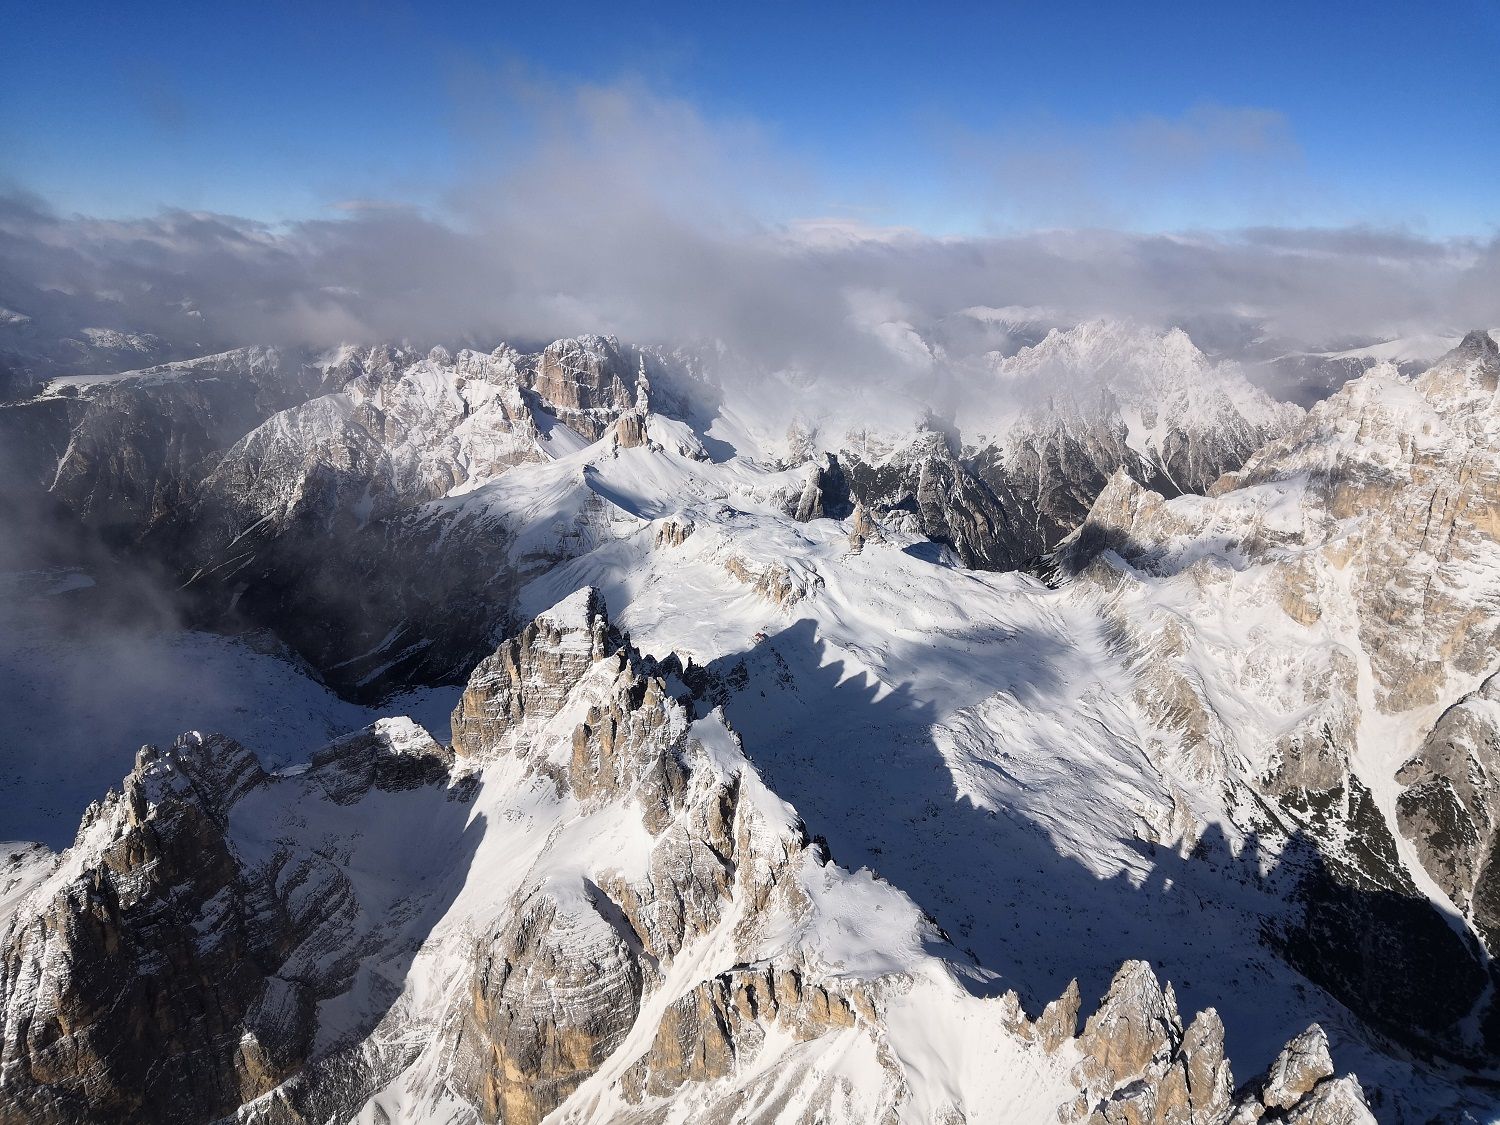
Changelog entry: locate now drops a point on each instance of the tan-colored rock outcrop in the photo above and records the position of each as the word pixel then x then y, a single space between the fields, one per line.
pixel 1140 1066
pixel 587 381
pixel 529 676
pixel 538 1006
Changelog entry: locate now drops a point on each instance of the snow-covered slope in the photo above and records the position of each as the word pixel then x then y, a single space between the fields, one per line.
pixel 1107 395
pixel 81 691
pixel 590 908
pixel 1310 376
pixel 287 492
pixel 1312 625
pixel 779 837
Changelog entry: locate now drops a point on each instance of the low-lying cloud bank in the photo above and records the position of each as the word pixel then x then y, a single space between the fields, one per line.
pixel 816 295
pixel 611 209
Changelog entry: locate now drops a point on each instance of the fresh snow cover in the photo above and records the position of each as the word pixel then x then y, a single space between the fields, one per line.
pixel 1160 383
pixel 115 340
pixel 1423 348
pixel 75 691
pixel 973 737
pixel 968 735
pixel 234 363
pixel 972 745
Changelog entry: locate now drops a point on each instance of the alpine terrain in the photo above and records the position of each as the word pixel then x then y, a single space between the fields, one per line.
pixel 590 732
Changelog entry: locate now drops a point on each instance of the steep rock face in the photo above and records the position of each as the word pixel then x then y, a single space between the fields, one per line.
pixel 306 518
pixel 1345 580
pixel 396 472
pixel 1451 805
pixel 1063 462
pixel 587 382
pixel 1401 471
pixel 390 756
pixel 171 969
pixel 526 681
pixel 824 493
pixel 1382 490
pixel 701 1035
pixel 125 454
pixel 344 502
pixel 552 996
pixel 558 985
pixel 1140 1065
pixel 141 985
pixel 393 436
pixel 922 484
pixel 1075 408
pixel 591 906
pixel 1383 482
pixel 1111 397
pixel 1297 1070
pixel 287 492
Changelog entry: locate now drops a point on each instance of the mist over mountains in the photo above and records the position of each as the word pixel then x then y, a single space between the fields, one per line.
pixel 835 300
pixel 737 565
pixel 1122 673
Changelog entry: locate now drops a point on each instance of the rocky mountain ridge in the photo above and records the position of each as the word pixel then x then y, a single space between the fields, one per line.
pixel 282 491
pixel 1361 547
pixel 1237 741
pixel 199 954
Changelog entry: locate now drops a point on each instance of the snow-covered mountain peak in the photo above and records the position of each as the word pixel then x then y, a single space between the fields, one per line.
pixel 1470 370
pixel 578 613
pixel 1225 748
pixel 1327 618
pixel 1480 343
pixel 1113 352
pixel 1139 367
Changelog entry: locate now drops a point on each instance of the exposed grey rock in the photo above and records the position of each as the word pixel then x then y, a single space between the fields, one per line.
pixel 825 491
pixel 926 483
pixel 1337 1102
pixel 702 1034
pixel 530 675
pixel 862 530
pixel 587 382
pixel 162 977
pixel 1451 806
pixel 1386 482
pixel 126 455
pixel 350 518
pixel 535 994
pixel 1058 1023
pixel 553 994
pixel 142 988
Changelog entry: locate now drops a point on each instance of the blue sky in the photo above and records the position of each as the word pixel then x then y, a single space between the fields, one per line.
pixel 951 118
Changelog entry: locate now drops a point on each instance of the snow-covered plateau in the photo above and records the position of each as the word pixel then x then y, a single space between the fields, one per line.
pixel 1122 746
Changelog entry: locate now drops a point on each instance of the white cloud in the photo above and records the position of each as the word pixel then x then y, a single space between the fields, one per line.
pixel 613 209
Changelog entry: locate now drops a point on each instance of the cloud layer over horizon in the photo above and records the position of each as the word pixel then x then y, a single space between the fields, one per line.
pixel 618 211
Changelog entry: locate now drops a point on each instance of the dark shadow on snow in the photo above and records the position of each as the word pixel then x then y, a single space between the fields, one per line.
pixel 858 761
